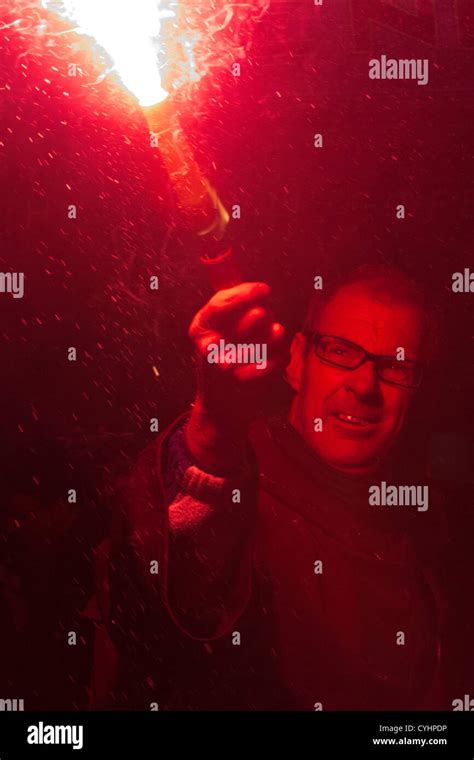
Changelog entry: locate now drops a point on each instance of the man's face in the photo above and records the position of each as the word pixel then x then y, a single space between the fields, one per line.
pixel 361 414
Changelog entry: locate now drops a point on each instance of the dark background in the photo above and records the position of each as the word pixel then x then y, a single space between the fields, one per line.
pixel 304 212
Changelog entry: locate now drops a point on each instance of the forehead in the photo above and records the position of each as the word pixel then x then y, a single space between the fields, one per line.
pixel 379 324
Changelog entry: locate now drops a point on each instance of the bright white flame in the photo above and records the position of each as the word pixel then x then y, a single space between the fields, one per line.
pixel 129 32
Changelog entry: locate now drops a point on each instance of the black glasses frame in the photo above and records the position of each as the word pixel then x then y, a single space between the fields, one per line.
pixel 315 337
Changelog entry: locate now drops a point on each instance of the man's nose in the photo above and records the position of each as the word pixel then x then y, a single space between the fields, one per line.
pixel 364 381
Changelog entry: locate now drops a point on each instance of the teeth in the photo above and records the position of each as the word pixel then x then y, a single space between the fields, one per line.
pixel 352 419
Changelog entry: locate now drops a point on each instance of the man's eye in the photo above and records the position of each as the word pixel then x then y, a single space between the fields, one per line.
pixel 336 350
pixel 397 369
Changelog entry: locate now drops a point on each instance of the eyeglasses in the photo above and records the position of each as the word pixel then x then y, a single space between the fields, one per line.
pixel 339 352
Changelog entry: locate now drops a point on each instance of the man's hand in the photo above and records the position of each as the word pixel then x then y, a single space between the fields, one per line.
pixel 230 394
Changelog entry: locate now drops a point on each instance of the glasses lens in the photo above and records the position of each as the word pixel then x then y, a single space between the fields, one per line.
pixel 339 352
pixel 400 372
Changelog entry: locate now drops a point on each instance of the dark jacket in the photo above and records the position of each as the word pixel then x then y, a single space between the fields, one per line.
pixel 318 600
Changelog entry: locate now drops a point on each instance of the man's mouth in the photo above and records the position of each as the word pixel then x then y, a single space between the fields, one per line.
pixel 352 419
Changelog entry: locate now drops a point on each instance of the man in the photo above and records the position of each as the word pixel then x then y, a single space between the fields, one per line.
pixel 249 566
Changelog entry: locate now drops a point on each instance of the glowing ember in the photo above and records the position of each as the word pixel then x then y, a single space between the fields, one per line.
pixel 130 32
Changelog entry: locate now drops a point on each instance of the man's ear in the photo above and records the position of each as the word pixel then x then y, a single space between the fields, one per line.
pixel 294 370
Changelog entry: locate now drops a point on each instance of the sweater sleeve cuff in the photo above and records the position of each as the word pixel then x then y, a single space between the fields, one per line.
pixel 182 473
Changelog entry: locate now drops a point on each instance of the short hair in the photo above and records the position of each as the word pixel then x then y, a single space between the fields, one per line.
pixel 384 283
